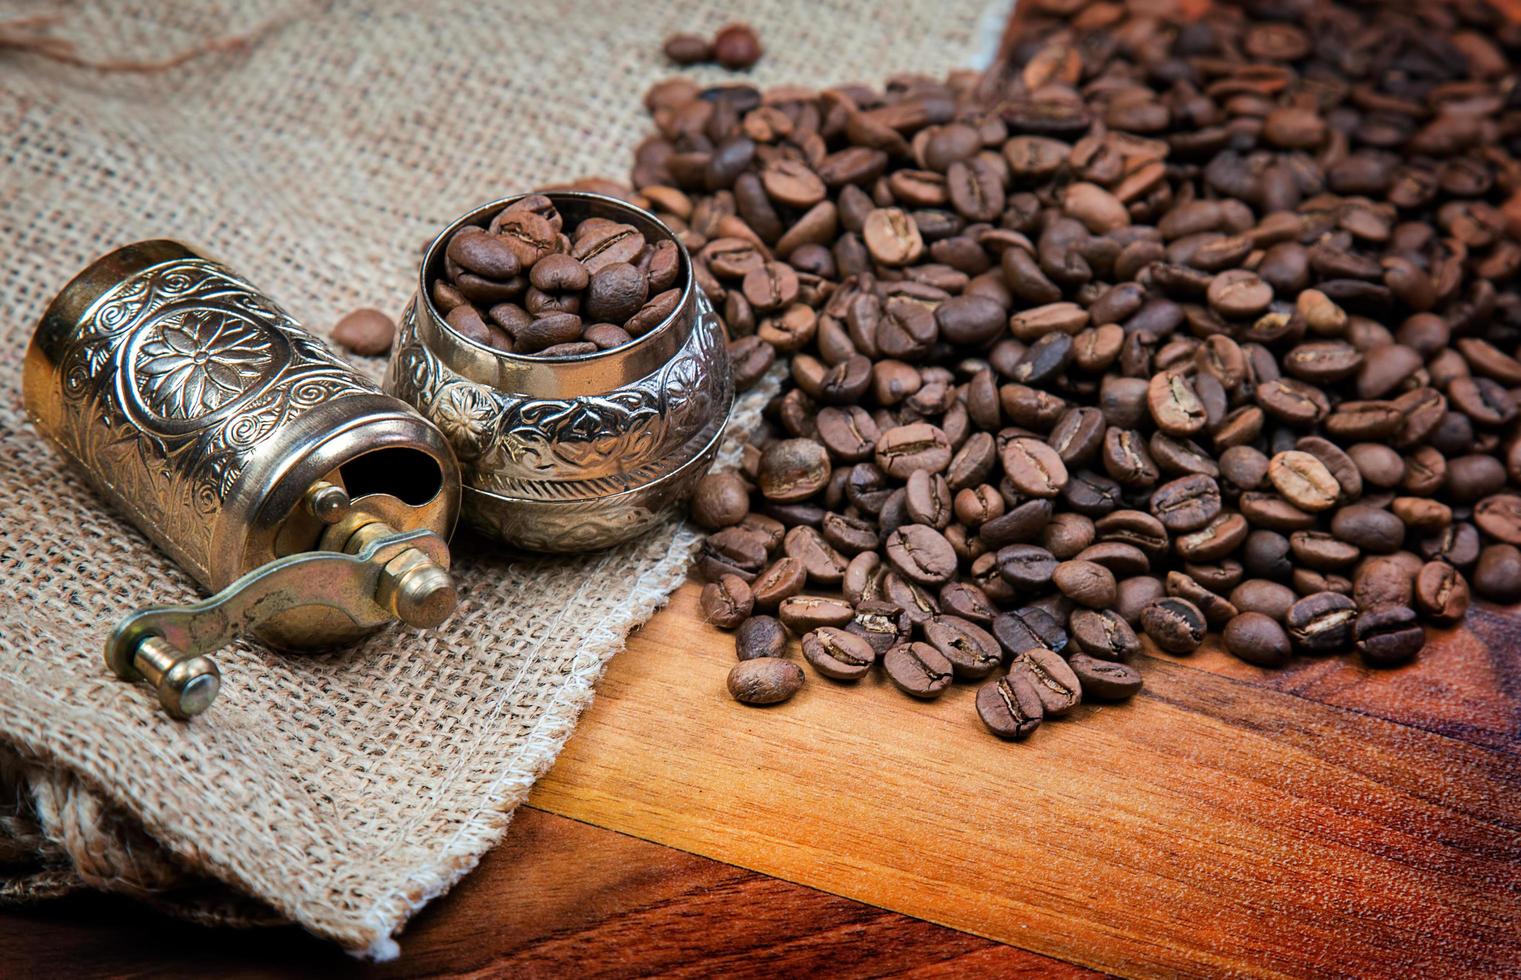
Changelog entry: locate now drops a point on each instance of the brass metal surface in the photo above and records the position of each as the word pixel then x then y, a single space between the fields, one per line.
pixel 237 442
pixel 575 453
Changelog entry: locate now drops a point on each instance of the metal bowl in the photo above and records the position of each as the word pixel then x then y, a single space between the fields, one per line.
pixel 572 453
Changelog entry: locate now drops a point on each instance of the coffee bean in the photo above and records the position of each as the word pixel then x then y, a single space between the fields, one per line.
pixel 736 46
pixel 1104 680
pixel 1303 480
pixel 1389 635
pixel 1187 503
pixel 720 500
pixel 1497 576
pixel 1322 622
pixel 917 669
pixel 727 602
pixel 918 446
pixel 765 680
pixel 1373 530
pixel 1086 583
pixel 731 551
pixel 1055 684
pixel 1257 638
pixel 793 469
pixel 1034 467
pixel 780 580
pixel 1499 516
pixel 366 332
pixel 1440 592
pixel 1027 628
pixel 1104 633
pixel 838 654
pixel 1176 625
pixel 760 636
pixel 1010 707
pixel 921 554
pixel 823 564
pixel 892 237
pixel 1026 566
pixel 1386 582
pixel 687 49
pixel 1272 599
pixel 803 613
pixel 972 650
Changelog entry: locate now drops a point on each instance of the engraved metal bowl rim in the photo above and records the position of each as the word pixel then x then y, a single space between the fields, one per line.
pixel 675 475
pixel 553 377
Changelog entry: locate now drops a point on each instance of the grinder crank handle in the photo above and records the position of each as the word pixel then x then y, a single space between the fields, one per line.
pixel 392 576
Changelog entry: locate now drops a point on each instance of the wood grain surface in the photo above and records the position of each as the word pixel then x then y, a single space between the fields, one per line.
pixel 1230 818
pixel 558 898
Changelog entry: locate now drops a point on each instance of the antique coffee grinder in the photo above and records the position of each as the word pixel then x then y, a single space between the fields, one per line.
pixel 314 506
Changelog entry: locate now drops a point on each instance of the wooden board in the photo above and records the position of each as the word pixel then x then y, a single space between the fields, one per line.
pixel 557 898
pixel 1323 819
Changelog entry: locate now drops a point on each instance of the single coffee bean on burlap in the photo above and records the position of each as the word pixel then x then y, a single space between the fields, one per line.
pixel 365 332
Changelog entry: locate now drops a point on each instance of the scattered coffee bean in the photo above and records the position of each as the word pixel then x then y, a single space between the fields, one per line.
pixel 1055 684
pixel 838 654
pixel 1258 639
pixel 365 332
pixel 1322 622
pixel 1105 680
pixel 764 680
pixel 1010 706
pixel 917 669
pixel 1230 346
pixel 760 636
pixel 727 602
pixel 736 47
pixel 1176 625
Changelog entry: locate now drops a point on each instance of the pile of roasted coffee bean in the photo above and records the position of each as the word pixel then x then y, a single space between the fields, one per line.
pixel 1165 327
pixel 526 284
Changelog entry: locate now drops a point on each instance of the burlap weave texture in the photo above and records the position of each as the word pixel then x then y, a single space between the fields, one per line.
pixel 339 791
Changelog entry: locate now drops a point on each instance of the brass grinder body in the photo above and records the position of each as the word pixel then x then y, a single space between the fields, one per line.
pixel 236 441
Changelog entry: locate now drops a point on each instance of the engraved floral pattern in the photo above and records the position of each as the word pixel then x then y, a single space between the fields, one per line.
pixel 207 369
pixel 573 448
pixel 202 360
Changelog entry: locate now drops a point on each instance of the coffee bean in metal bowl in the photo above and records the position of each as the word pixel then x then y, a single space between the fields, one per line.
pixel 567 444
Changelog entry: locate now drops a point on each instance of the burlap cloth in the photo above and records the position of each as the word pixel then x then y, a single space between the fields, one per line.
pixel 314 152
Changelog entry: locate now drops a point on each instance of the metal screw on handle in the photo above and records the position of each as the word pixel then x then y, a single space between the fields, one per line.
pixel 186 685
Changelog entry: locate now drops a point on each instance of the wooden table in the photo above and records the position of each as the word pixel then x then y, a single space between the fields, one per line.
pixel 1322 819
